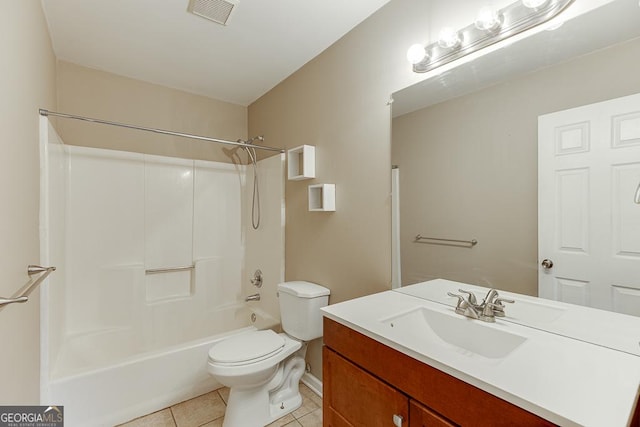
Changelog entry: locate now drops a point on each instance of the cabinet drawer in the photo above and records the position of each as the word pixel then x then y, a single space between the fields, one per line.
pixel 352 397
pixel 421 416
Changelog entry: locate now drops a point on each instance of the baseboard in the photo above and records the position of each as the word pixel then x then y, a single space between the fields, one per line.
pixel 313 383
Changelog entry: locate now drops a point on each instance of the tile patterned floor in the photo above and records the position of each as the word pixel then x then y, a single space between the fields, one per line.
pixel 208 411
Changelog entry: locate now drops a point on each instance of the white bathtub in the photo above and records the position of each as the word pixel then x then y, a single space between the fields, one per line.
pixel 137 386
pixel 117 342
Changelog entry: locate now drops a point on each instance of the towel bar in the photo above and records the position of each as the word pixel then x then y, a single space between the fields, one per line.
pixel 29 287
pixel 435 240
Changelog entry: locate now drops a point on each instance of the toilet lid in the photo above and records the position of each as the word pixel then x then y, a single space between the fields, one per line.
pixel 247 347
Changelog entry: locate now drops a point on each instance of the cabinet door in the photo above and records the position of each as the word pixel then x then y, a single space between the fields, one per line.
pixel 353 397
pixel 421 416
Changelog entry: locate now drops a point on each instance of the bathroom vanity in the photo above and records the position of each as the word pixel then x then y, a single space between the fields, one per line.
pixel 395 358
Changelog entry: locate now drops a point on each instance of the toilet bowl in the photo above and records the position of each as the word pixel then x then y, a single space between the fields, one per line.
pixel 263 368
pixel 250 359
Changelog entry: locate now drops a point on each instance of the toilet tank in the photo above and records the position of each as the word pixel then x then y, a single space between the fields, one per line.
pixel 300 304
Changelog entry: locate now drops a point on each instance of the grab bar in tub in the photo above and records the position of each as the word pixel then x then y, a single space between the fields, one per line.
pixel 169 269
pixel 29 287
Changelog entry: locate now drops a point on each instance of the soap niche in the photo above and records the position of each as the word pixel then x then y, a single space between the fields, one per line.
pixel 301 163
pixel 322 198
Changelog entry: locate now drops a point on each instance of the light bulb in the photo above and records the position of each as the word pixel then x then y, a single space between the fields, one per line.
pixel 416 53
pixel 449 38
pixel 487 19
pixel 534 4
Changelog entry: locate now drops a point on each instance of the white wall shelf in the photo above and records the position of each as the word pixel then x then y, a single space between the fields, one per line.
pixel 322 198
pixel 301 162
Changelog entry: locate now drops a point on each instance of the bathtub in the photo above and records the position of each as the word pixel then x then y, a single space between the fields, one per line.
pixel 139 385
pixel 117 342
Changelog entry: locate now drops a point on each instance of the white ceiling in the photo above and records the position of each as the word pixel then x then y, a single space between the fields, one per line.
pixel 160 42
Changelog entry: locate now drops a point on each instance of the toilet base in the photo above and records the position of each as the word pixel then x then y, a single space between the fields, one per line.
pixel 279 410
pixel 262 405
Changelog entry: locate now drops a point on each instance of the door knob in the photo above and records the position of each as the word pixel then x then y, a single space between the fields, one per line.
pixel 547 263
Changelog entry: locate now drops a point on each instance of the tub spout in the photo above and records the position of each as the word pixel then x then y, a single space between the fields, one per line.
pixel 254 297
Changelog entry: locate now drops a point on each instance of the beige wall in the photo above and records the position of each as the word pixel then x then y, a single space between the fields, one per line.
pixel 468 169
pixel 27 82
pixel 92 93
pixel 338 102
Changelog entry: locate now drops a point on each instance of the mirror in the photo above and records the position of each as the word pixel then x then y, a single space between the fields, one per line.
pixel 465 144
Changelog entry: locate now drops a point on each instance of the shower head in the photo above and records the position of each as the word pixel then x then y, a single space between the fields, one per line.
pixel 249 149
pixel 250 141
pixel 259 138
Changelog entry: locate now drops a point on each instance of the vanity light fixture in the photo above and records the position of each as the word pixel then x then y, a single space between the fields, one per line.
pixel 449 38
pixel 488 19
pixel 490 26
pixel 416 53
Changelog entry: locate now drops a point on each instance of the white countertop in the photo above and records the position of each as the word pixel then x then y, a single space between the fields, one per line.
pixel 606 328
pixel 566 381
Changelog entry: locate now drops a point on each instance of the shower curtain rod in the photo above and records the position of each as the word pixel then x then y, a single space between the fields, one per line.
pixel 46 113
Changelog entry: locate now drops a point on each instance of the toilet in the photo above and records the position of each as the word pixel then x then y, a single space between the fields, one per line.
pixel 263 368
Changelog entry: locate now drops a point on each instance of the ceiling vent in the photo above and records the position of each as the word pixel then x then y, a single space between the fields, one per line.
pixel 214 10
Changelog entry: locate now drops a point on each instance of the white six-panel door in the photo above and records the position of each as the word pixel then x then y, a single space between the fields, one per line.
pixel 588 222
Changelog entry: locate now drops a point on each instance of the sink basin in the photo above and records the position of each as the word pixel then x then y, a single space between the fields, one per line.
pixel 467 336
pixel 527 311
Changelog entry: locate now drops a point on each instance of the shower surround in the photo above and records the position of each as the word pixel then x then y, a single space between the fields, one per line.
pixel 119 339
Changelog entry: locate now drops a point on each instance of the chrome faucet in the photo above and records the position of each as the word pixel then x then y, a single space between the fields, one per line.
pixel 254 297
pixel 491 306
pixel 498 309
pixel 491 296
pixel 465 307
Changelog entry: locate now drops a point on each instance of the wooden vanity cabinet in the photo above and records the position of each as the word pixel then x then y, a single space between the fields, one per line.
pixel 357 398
pixel 365 383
